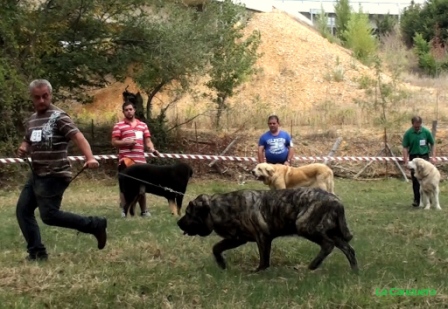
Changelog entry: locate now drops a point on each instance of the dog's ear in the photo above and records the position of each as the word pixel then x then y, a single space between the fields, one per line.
pixel 204 200
pixel 200 207
pixel 270 170
pixel 418 166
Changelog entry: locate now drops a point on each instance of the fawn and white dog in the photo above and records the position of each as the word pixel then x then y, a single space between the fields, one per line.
pixel 428 177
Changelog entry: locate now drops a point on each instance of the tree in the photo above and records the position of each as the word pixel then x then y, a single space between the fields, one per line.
pixel 359 37
pixel 426 60
pixel 164 46
pixel 233 56
pixel 425 19
pixel 13 100
pixel 385 24
pixel 383 99
pixel 343 12
pixel 322 24
pixel 70 43
pixel 168 52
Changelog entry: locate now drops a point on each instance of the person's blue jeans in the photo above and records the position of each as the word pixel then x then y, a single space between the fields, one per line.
pixel 46 194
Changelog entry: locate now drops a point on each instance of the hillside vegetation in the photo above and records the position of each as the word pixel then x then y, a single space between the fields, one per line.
pixel 301 76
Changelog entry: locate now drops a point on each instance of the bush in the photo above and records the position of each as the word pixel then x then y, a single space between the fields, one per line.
pixel 426 60
pixel 359 37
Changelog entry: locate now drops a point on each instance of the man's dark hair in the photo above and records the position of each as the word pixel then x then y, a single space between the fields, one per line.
pixel 126 103
pixel 416 119
pixel 274 117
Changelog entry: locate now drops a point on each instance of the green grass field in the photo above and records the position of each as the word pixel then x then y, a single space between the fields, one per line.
pixel 148 263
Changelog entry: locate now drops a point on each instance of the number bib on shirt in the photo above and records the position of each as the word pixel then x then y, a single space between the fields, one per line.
pixel 138 134
pixel 36 136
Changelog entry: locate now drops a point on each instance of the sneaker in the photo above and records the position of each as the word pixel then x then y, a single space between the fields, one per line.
pixel 123 215
pixel 415 204
pixel 146 214
pixel 40 256
pixel 101 234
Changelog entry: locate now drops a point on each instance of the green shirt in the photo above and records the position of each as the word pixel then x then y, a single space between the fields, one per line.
pixel 418 142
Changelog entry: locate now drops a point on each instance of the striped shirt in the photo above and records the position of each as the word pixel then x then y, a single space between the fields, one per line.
pixel 48 135
pixel 140 132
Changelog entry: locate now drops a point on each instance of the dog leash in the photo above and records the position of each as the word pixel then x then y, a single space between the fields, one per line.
pixel 151 184
pixel 28 160
pixel 77 174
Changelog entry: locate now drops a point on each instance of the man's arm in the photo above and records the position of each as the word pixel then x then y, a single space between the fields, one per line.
pixel 432 154
pixel 405 155
pixel 116 142
pixel 405 151
pixel 150 146
pixel 261 154
pixel 83 145
pixel 24 149
pixel 290 154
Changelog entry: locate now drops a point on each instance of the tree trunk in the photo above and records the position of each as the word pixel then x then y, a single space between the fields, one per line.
pixel 151 96
pixel 139 109
pixel 221 101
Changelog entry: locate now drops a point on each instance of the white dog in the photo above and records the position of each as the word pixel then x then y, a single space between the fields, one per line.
pixel 428 177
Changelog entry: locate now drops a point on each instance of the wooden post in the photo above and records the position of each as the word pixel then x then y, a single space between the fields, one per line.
pixel 398 164
pixel 222 153
pixel 367 165
pixel 385 147
pixel 434 129
pixel 196 134
pixel 434 132
pixel 333 150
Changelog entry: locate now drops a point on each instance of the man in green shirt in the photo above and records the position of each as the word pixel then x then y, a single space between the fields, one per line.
pixel 418 142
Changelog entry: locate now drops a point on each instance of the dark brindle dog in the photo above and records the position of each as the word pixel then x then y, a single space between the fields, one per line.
pixel 262 215
pixel 169 181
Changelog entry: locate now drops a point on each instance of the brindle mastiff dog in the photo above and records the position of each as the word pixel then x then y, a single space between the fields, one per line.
pixel 262 215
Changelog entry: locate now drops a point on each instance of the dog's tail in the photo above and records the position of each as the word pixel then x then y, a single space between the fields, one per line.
pixel 342 223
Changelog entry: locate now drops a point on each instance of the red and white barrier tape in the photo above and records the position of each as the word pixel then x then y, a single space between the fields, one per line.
pixel 231 158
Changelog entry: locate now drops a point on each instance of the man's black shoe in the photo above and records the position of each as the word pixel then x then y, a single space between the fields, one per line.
pixel 101 234
pixel 37 257
pixel 415 204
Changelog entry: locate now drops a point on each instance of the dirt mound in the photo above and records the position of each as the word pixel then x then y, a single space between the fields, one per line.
pixel 299 68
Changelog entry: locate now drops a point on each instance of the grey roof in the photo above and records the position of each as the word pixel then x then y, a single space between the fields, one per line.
pixel 381 7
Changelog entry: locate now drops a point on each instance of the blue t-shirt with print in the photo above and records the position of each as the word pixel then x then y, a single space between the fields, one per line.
pixel 276 147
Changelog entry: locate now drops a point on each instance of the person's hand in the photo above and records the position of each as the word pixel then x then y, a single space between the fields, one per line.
pixel 22 151
pixel 129 141
pixel 287 163
pixel 91 163
pixel 154 152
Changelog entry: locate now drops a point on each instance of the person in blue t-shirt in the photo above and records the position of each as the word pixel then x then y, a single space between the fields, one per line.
pixel 275 145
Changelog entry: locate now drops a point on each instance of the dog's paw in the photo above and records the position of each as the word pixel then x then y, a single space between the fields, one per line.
pixel 222 264
pixel 260 268
pixel 220 261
